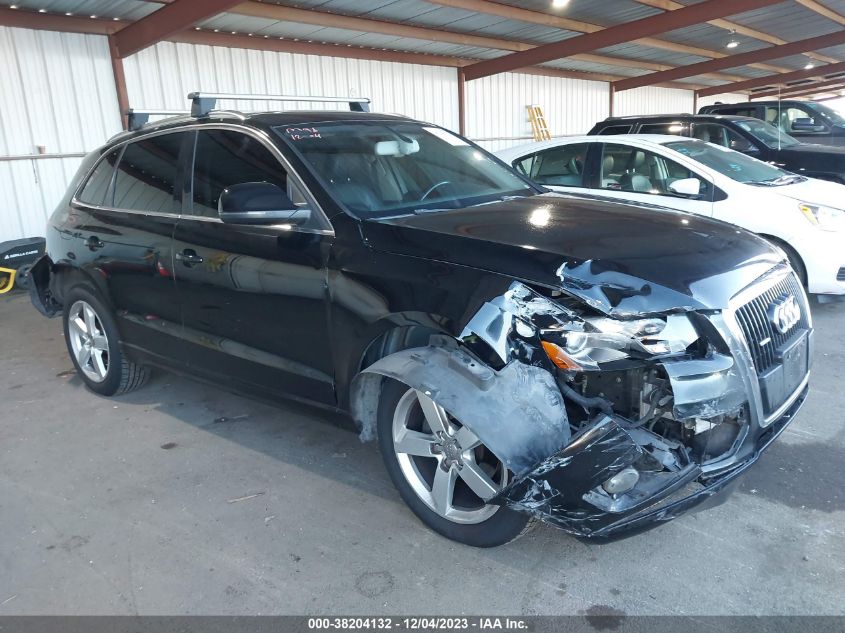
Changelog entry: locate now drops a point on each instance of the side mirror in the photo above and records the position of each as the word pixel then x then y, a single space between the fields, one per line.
pixel 806 125
pixel 255 203
pixel 686 187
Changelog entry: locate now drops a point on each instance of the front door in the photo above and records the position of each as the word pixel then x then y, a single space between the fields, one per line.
pixel 634 174
pixel 254 298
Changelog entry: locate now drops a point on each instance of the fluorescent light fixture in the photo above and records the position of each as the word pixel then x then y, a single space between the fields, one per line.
pixel 559 4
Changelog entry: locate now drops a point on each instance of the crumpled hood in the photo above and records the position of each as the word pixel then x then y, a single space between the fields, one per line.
pixel 813 191
pixel 623 260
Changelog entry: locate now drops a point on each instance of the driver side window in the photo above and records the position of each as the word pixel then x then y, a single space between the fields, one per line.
pixel 224 158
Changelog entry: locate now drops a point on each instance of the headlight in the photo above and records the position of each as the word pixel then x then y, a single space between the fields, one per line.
pixel 826 218
pixel 601 340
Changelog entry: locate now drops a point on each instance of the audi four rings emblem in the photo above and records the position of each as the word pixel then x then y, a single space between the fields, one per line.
pixel 785 314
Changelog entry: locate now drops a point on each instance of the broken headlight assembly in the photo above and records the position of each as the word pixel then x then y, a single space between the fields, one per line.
pixel 592 342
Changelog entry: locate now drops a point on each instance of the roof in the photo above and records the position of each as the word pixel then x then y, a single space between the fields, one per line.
pixel 647 139
pixel 259 119
pixel 674 117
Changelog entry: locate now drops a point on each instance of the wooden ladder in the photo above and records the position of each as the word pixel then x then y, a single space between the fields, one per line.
pixel 539 128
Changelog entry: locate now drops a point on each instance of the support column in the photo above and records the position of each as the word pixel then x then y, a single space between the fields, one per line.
pixel 119 83
pixel 462 115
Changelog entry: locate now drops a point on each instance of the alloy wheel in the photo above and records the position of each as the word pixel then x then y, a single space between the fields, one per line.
pixel 88 341
pixel 445 463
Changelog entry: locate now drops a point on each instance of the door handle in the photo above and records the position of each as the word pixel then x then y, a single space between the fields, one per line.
pixel 189 257
pixel 94 243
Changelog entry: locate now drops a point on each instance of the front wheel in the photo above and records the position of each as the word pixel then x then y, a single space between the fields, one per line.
pixel 443 471
pixel 94 345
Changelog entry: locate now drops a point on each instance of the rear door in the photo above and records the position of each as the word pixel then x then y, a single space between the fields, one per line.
pixel 125 218
pixel 254 298
pixel 634 174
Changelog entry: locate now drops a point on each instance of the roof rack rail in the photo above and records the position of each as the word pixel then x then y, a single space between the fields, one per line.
pixel 204 102
pixel 138 118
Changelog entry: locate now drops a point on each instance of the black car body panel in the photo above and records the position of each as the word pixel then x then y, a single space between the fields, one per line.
pixel 807 159
pixel 461 302
pixel 597 250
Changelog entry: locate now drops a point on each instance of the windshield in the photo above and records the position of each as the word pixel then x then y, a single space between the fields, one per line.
pixel 732 164
pixel 767 133
pixel 379 168
pixel 828 114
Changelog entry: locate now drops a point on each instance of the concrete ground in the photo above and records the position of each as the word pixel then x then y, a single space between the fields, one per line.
pixel 183 499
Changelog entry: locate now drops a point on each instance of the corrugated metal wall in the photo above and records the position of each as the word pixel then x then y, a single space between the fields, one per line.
pixel 497 117
pixel 650 100
pixel 161 76
pixel 58 93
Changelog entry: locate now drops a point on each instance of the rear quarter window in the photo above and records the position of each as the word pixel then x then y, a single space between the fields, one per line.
pixel 97 186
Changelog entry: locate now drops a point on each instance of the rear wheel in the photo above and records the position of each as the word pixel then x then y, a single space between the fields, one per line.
pixel 443 471
pixel 93 343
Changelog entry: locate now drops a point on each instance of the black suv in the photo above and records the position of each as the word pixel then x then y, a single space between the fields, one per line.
pixel 514 352
pixel 744 134
pixel 807 121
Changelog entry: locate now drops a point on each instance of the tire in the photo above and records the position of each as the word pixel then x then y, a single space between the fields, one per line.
pixel 467 518
pixel 98 359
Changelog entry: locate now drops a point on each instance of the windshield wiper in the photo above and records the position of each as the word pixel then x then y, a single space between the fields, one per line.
pixel 424 211
pixel 788 179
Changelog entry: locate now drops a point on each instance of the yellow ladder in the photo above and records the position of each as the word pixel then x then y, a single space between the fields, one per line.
pixel 539 128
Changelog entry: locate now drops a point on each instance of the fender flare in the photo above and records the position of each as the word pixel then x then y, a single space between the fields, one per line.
pixel 517 412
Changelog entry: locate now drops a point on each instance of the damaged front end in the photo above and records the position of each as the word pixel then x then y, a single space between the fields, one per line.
pixel 606 424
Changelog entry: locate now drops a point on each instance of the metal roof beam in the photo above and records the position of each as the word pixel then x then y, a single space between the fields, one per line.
pixel 33 20
pixel 810 91
pixel 774 80
pixel 371 25
pixel 545 19
pixel 661 23
pixel 819 8
pixel 164 22
pixel 734 61
pixel 788 90
pixel 667 5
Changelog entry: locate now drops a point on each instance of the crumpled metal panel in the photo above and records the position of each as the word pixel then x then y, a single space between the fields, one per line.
pixel 518 412
pixel 554 490
pixel 705 388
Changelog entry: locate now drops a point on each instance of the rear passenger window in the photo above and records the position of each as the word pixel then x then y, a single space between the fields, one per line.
pixel 560 166
pixel 615 129
pixel 146 176
pixel 95 190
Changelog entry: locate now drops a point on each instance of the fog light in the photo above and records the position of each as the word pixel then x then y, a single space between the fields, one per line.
pixel 622 481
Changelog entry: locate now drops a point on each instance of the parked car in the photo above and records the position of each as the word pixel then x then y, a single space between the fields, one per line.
pixel 516 353
pixel 743 134
pixel 804 217
pixel 807 121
